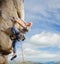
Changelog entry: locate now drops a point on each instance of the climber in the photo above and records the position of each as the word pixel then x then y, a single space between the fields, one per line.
pixel 18 34
pixel 16 37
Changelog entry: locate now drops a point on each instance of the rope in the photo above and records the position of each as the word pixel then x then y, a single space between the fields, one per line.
pixel 22 54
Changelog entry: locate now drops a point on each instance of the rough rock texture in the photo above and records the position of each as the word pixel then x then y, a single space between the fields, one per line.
pixel 8 9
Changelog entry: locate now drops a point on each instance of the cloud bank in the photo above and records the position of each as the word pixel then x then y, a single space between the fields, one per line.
pixel 46 39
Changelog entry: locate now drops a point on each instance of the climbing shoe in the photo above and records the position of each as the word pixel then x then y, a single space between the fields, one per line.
pixel 13 57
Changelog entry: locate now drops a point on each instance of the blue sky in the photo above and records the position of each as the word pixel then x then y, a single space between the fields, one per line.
pixel 42 43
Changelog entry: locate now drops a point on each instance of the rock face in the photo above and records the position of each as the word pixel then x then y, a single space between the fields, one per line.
pixel 8 9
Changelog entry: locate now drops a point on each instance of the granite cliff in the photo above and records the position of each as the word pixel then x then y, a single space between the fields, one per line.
pixel 8 9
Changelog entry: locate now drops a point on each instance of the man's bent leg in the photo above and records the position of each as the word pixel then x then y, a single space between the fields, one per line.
pixel 14 50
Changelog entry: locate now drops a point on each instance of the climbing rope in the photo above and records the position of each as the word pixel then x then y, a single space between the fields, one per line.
pixel 22 53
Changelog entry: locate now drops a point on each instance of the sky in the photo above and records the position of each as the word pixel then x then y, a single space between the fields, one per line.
pixel 42 43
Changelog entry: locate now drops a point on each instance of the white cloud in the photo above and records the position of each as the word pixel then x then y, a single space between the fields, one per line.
pixel 46 8
pixel 42 5
pixel 39 55
pixel 53 4
pixel 46 39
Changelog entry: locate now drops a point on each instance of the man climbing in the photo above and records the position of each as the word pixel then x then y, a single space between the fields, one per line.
pixel 18 34
pixel 16 37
